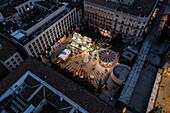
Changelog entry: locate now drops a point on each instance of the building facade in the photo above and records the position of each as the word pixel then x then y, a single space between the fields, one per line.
pixel 111 21
pixel 9 56
pixel 49 36
pixel 14 61
pixel 44 28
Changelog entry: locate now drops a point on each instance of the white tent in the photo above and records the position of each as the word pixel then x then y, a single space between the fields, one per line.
pixel 64 55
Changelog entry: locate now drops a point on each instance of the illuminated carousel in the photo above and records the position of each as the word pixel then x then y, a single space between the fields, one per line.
pixel 106 58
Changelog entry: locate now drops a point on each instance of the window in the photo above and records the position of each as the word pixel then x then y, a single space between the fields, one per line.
pixel 10 66
pixel 18 59
pixel 12 59
pixel 29 46
pixel 26 6
pixel 7 63
pixel 14 63
pixel 31 50
pixel 37 41
pixel 31 3
pixel 33 53
pixel 33 43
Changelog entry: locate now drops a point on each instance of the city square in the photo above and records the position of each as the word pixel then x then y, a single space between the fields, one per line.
pixel 84 56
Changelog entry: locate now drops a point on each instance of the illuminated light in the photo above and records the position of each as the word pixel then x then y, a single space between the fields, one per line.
pixel 124 110
pixel 32 6
pixel 28 9
pixel 91 24
pixel 107 54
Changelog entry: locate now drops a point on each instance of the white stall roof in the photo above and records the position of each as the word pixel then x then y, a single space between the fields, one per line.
pixel 64 54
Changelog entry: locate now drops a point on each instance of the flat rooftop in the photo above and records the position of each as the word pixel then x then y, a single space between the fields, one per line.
pixel 139 8
pixel 142 92
pixel 121 72
pixel 18 2
pixel 128 55
pixel 8 27
pixel 38 18
pixel 46 4
pixel 64 85
pixel 8 11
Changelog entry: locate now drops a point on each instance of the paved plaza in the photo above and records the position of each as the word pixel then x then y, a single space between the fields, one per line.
pixel 163 97
pixel 92 69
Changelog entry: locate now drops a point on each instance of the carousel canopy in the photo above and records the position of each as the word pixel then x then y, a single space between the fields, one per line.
pixel 107 56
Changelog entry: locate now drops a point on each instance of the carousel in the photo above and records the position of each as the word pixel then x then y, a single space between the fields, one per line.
pixel 106 58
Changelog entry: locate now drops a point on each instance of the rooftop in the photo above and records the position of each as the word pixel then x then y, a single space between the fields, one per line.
pixel 8 27
pixel 18 2
pixel 128 55
pixel 46 4
pixel 42 15
pixel 8 11
pixel 139 8
pixel 4 2
pixel 121 71
pixel 67 87
pixel 6 50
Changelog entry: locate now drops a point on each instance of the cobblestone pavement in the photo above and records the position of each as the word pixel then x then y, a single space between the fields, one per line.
pixel 93 70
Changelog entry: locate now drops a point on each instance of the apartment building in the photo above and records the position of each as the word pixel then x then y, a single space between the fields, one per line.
pixel 116 20
pixel 43 30
pixel 9 56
